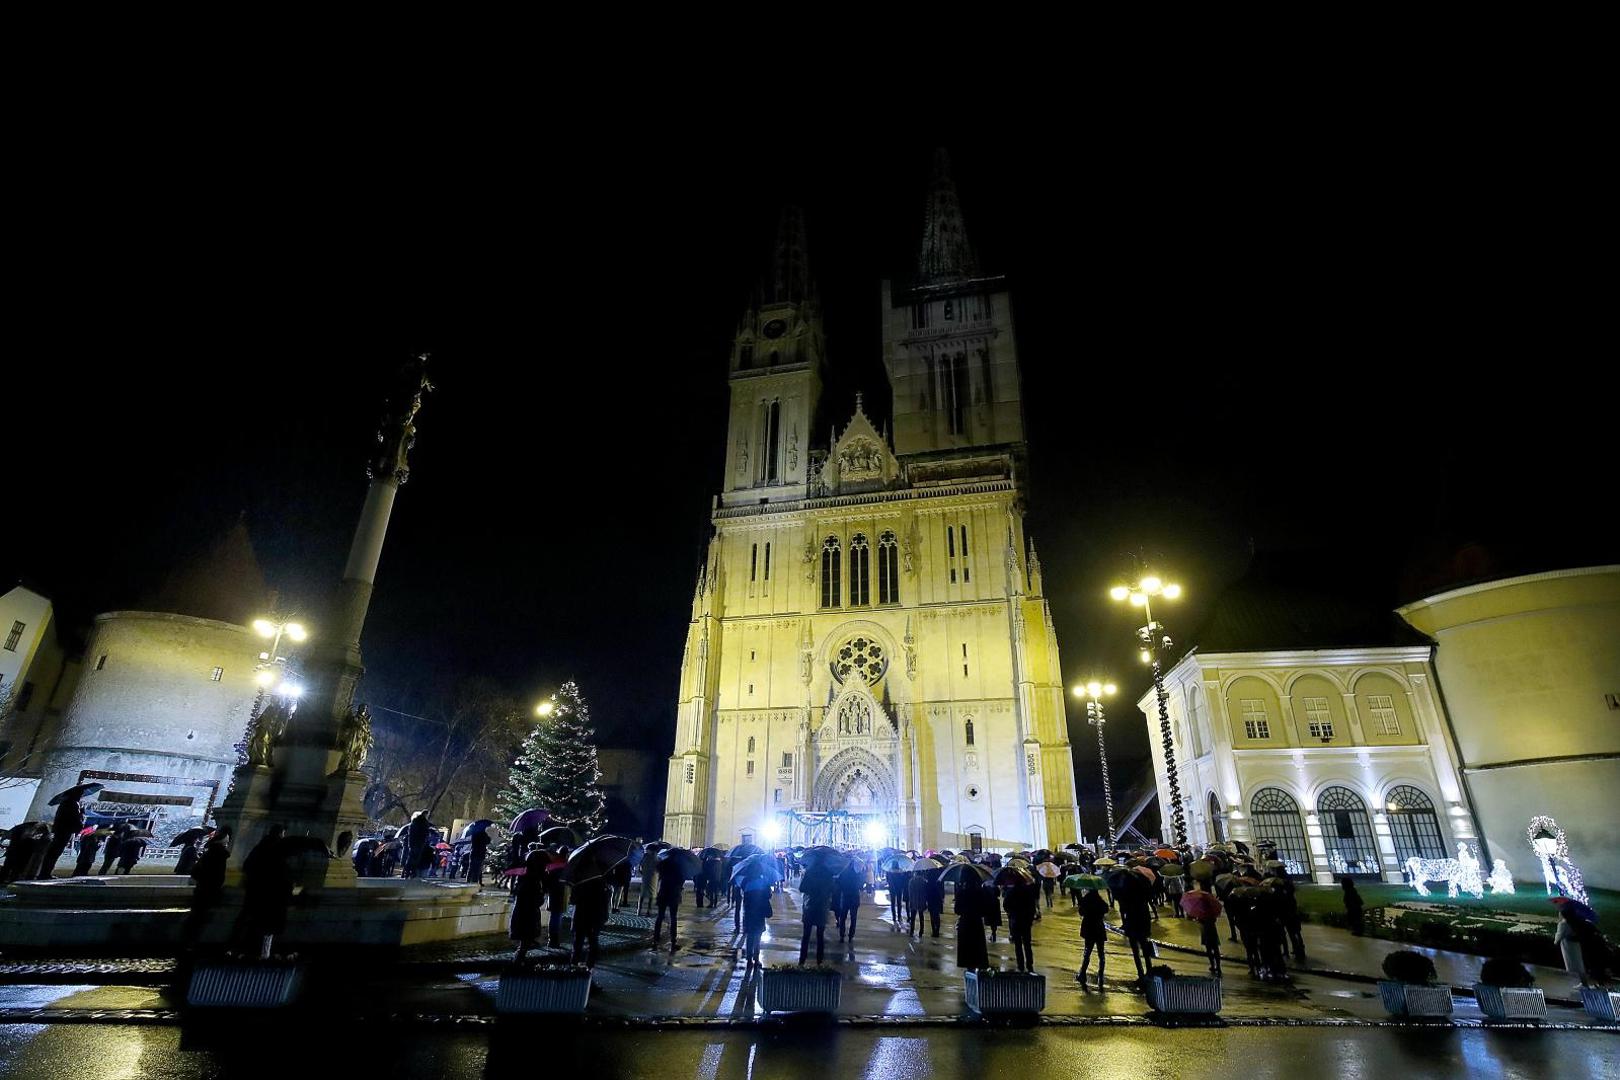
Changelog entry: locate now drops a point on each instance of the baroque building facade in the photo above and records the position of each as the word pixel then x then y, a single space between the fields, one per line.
pixel 871 657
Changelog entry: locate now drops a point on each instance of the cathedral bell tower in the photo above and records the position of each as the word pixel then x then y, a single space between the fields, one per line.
pixel 776 362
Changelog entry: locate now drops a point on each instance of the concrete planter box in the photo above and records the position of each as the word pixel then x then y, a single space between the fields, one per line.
pixel 1004 993
pixel 243 986
pixel 1193 994
pixel 1601 1004
pixel 800 990
pixel 524 992
pixel 1407 999
pixel 1511 1002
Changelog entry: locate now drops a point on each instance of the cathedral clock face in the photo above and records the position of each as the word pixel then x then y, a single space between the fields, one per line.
pixel 775 328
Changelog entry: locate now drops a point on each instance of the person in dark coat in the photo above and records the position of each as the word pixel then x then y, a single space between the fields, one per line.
pixel 1282 886
pixel 756 904
pixel 593 902
pixel 815 894
pixel 916 904
pixel 39 842
pixel 120 833
pixel 1136 917
pixel 208 883
pixel 1023 904
pixel 557 893
pixel 714 879
pixel 189 854
pixel 971 953
pixel 897 881
pixel 936 901
pixel 671 884
pixel 69 820
pixel 991 907
pixel 363 854
pixel 267 888
pixel 1353 906
pixel 129 853
pixel 19 852
pixel 1093 934
pixel 418 852
pixel 526 902
pixel 89 846
pixel 475 862
pixel 847 900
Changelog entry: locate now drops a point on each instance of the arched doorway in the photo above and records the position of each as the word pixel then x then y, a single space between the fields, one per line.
pixel 1215 828
pixel 1348 833
pixel 1413 824
pixel 1274 816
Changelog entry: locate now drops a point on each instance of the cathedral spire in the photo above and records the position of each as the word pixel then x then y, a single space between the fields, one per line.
pixel 946 254
pixel 790 271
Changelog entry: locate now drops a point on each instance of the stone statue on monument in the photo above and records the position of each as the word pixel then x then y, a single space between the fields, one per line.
pixel 267 731
pixel 354 738
pixel 397 434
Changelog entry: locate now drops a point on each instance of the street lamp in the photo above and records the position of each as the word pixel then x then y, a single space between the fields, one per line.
pixel 1093 692
pixel 1155 642
pixel 544 709
pixel 273 671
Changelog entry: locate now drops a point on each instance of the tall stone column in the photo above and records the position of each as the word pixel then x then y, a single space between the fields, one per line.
pixel 304 773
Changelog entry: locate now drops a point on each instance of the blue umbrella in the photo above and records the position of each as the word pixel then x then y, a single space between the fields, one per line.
pixel 476 827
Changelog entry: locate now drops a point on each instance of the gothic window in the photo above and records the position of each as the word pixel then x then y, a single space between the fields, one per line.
pixel 968 730
pixel 753 561
pixel 750 768
pixel 966 569
pixel 919 317
pixel 787 761
pixel 862 657
pixel 1382 708
pixel 745 356
pixel 1274 816
pixel 950 550
pixel 750 744
pixel 860 572
pixel 888 569
pixel 831 592
pixel 767 560
pixel 15 636
pixel 770 449
pixel 1318 720
pixel 776 798
pixel 1255 723
pixel 959 392
pixel 1413 824
pixel 964 660
pixel 1215 829
pixel 1347 831
pixel 984 375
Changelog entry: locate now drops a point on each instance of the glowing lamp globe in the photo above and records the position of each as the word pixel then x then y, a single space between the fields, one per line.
pixel 1119 592
pixel 296 631
pixel 265 678
pixel 1151 585
pixel 771 832
pixel 876 833
pixel 264 627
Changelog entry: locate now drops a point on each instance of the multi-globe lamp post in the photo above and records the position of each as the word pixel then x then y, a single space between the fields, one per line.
pixel 274 674
pixel 1155 643
pixel 1093 692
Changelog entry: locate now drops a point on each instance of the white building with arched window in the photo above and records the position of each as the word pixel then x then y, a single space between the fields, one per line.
pixel 1341 754
pixel 870 656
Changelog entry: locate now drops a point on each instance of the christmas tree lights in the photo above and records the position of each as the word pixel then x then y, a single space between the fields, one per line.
pixel 556 767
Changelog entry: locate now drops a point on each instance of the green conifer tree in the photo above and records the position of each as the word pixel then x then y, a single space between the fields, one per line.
pixel 556 768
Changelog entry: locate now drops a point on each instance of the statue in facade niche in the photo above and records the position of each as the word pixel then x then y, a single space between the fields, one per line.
pixel 354 739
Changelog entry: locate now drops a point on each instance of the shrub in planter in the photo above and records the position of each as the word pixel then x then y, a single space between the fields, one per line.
pixel 989 990
pixel 1167 992
pixel 544 988
pixel 791 988
pixel 1601 1003
pixel 1408 988
pixel 1505 971
pixel 1504 991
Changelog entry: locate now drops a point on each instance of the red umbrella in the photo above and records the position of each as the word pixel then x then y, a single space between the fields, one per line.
pixel 1200 905
pixel 1145 872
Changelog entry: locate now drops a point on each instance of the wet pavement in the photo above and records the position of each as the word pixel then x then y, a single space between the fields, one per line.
pixel 258 1048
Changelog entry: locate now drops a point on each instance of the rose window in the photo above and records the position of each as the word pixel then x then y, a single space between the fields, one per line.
pixel 860 656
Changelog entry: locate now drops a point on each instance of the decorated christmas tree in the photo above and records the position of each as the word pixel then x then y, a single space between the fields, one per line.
pixel 556 768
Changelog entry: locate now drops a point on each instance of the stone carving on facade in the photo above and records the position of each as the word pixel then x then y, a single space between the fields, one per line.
pixel 908 548
pixel 742 459
pixel 855 717
pixel 810 562
pixel 909 643
pixel 267 732
pixel 354 738
pixel 793 450
pixel 397 434
pixel 861 459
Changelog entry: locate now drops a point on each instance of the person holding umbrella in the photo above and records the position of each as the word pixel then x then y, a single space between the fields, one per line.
pixel 120 833
pixel 1023 902
pixel 69 820
pixel 847 902
pixel 815 894
pixel 89 844
pixel 917 897
pixel 672 866
pixel 971 953
pixel 267 888
pixel 1200 904
pixel 130 852
pixel 524 927
pixel 1093 934
pixel 990 905
pixel 418 853
pixel 208 883
pixel 480 850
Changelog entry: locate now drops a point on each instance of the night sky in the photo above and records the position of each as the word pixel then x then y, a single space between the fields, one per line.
pixel 1371 351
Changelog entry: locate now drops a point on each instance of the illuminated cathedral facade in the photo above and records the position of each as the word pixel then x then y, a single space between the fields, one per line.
pixel 871 657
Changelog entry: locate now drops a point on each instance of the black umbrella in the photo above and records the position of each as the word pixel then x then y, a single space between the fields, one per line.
pixel 711 853
pixel 1009 876
pixel 825 858
pixel 601 856
pixel 966 871
pixel 690 865
pixel 191 836
pixel 559 834
pixel 743 851
pixel 74 794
